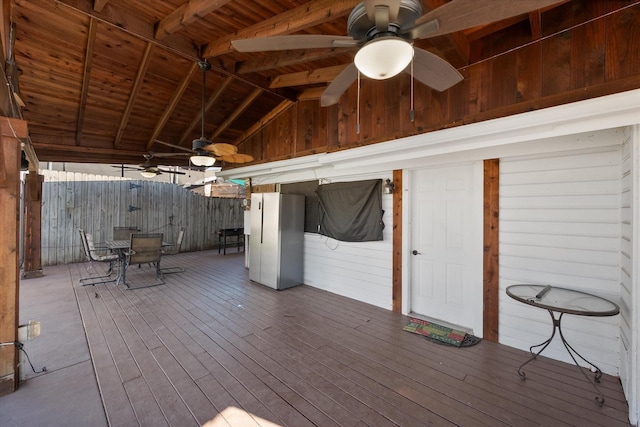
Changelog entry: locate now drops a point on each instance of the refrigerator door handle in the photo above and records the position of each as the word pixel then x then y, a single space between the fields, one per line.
pixel 261 222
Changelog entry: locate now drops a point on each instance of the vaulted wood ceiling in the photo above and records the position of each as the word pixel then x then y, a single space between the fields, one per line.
pixel 103 80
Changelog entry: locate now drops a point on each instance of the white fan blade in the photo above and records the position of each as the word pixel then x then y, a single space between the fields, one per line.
pixel 458 15
pixel 339 85
pixel 433 71
pixel 300 41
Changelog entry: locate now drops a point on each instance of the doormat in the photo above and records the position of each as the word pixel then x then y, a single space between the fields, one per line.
pixel 441 334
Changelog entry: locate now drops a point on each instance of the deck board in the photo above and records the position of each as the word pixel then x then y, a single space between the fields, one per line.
pixel 211 344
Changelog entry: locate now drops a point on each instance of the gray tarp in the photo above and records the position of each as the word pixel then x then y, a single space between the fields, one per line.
pixel 351 211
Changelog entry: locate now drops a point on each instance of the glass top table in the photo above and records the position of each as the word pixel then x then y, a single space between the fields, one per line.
pixel 555 299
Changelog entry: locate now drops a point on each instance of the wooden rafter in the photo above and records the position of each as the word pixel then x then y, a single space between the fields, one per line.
pixel 142 70
pixel 535 22
pixel 172 104
pixel 98 5
pixel 119 18
pixel 303 16
pixel 301 78
pixel 207 106
pixel 287 58
pixel 311 94
pixel 234 115
pixel 186 14
pixel 88 61
pixel 268 118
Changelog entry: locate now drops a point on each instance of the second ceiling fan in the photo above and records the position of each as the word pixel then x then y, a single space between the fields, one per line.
pixel 203 152
pixel 384 31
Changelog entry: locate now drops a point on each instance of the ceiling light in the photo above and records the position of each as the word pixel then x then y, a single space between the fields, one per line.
pixel 148 174
pixel 384 57
pixel 200 160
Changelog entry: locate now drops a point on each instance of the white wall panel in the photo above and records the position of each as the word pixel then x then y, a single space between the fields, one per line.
pixel 560 224
pixel 358 270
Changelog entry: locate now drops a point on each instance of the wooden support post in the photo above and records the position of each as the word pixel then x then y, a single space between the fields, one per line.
pixel 397 242
pixel 32 260
pixel 10 132
pixel 490 256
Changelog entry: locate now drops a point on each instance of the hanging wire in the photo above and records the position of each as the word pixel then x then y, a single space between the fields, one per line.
pixel 358 107
pixel 204 65
pixel 412 113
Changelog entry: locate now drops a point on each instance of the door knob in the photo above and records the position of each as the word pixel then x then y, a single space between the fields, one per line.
pixel 416 252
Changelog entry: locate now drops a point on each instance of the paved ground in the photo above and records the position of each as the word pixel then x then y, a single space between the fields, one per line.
pixel 62 349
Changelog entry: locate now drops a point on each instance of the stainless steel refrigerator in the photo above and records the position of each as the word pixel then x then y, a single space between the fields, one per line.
pixel 276 239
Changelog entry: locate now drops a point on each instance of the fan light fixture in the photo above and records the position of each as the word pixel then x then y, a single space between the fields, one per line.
pixel 147 174
pixel 384 57
pixel 199 160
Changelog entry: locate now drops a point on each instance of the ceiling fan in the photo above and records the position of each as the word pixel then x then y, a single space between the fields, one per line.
pixel 148 169
pixel 203 152
pixel 384 31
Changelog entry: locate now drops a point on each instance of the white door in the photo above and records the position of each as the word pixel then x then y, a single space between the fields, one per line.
pixel 446 245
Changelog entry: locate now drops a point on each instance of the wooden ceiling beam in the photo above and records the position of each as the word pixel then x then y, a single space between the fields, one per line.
pixel 535 22
pixel 172 104
pixel 142 70
pixel 297 19
pixel 98 5
pixel 264 121
pixel 288 58
pixel 83 151
pixel 312 94
pixel 302 78
pixel 119 18
pixel 185 15
pixel 86 76
pixel 234 115
pixel 210 102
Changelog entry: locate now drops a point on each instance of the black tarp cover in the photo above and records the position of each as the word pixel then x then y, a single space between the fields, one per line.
pixel 351 211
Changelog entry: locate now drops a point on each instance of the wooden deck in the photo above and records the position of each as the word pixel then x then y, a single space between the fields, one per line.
pixel 211 346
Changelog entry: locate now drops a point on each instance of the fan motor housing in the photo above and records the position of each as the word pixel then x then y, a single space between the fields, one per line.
pixel 360 27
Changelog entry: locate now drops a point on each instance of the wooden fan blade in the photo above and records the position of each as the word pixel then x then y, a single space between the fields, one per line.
pixel 339 85
pixel 221 149
pixel 236 158
pixel 458 15
pixel 433 71
pixel 168 144
pixel 299 41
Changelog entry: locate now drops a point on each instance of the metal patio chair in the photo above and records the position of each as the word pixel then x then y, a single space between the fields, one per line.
pixel 144 249
pixel 94 254
pixel 124 233
pixel 173 249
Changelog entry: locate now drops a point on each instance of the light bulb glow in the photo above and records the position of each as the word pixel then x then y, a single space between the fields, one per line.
pixel 202 160
pixel 384 58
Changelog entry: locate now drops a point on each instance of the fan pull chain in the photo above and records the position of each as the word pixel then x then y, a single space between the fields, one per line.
pixel 358 107
pixel 412 113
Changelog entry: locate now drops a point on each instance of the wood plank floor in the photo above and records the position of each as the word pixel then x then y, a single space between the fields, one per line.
pixel 209 346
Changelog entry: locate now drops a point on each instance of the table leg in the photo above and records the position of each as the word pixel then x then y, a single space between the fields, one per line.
pixel 557 325
pixel 543 344
pixel 598 372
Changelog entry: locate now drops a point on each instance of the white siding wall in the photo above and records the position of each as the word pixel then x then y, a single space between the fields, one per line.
pixel 359 270
pixel 560 225
pixel 626 258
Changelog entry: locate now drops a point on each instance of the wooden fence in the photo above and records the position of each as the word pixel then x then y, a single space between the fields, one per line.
pixel 97 204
